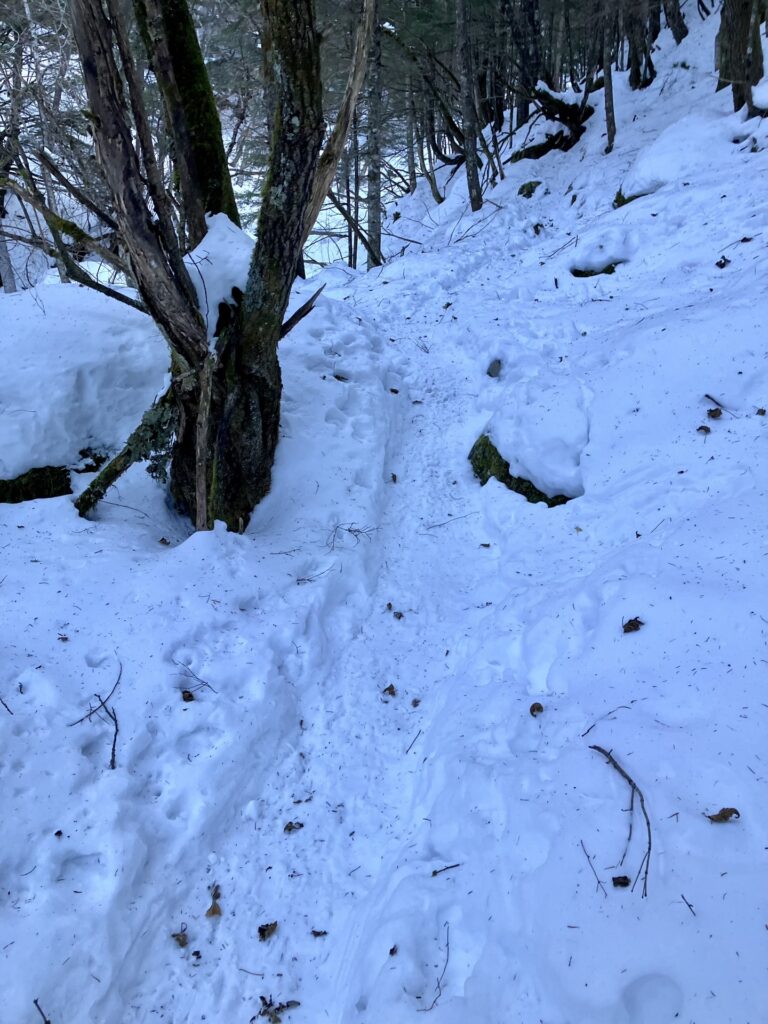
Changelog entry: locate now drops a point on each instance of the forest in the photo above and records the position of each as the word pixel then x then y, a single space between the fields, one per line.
pixel 382 501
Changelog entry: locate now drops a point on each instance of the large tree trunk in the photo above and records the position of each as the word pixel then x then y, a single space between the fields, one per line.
pixel 227 394
pixel 245 373
pixel 740 55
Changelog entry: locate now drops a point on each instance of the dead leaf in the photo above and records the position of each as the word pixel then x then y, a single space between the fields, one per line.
pixel 187 696
pixel 415 702
pixel 760 411
pixel 723 262
pixel 214 910
pixel 621 881
pixel 398 615
pixel 632 625
pixel 714 414
pixel 164 541
pixel 703 429
pixel 293 826
pixel 536 709
pixel 393 951
pixel 390 690
pixel 180 937
pixel 318 933
pixel 266 931
pixel 723 815
pixel 341 377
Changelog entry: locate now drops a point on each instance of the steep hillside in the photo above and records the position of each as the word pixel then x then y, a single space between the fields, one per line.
pixel 413 745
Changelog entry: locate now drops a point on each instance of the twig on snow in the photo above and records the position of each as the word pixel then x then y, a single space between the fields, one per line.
pixel 645 863
pixel 10 712
pixel 455 519
pixel 46 1019
pixel 109 712
pixel 685 901
pixel 589 861
pixel 410 745
pixel 448 867
pixel 619 707
pixel 439 981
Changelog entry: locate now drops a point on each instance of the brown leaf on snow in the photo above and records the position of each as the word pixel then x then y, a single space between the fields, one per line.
pixel 390 690
pixel 723 815
pixel 536 709
pixel 621 881
pixel 293 826
pixel 714 414
pixel 632 625
pixel 266 931
pixel 703 429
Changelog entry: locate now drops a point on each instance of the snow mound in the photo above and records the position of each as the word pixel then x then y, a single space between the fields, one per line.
pixel 693 143
pixel 55 402
pixel 218 264
pixel 542 430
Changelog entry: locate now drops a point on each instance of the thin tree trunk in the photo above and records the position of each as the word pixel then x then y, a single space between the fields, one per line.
pixel 468 110
pixel 610 117
pixel 373 176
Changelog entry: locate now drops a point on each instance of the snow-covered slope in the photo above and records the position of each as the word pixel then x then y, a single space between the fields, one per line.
pixel 362 762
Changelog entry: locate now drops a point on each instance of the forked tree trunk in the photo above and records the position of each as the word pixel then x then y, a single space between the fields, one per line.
pixel 228 394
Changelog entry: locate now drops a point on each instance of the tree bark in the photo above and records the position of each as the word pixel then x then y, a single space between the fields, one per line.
pixel 190 112
pixel 373 147
pixel 675 20
pixel 739 51
pixel 468 109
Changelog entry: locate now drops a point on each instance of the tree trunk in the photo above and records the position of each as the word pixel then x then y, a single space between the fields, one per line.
pixel 739 51
pixel 373 176
pixel 468 110
pixel 227 395
pixel 245 379
pixel 190 112
pixel 675 20
pixel 610 116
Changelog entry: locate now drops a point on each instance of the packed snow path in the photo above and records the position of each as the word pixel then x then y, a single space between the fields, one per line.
pixel 359 764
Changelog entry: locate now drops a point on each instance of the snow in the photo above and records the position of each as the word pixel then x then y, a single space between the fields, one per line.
pixel 364 660
pixel 218 264
pixel 80 371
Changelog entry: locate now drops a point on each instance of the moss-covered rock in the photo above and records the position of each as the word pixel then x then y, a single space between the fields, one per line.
pixel 620 199
pixel 45 482
pixel 528 188
pixel 487 462
pixel 609 268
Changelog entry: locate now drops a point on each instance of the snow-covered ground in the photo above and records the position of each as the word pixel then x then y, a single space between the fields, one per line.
pixel 329 723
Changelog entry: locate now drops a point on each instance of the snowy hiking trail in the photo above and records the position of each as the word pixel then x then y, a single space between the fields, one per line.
pixel 287 640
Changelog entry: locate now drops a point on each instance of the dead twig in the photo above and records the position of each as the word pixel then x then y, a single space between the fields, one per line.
pixel 685 901
pixel 592 866
pixel 439 981
pixel 720 405
pixel 103 706
pixel 10 712
pixel 46 1019
pixel 448 867
pixel 645 863
pixel 619 707
pixel 410 745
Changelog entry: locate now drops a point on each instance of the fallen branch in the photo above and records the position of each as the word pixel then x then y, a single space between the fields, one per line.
pixel 645 863
pixel 152 435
